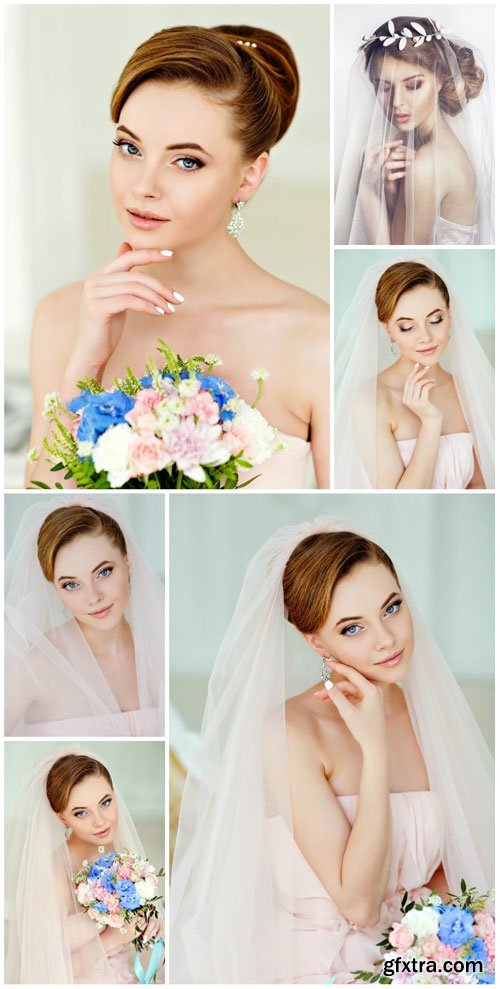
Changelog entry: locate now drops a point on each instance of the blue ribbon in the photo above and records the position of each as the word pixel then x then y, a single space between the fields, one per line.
pixel 154 963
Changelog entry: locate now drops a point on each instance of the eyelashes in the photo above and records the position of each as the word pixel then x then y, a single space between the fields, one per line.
pixel 392 609
pixel 432 322
pixel 105 803
pixel 192 164
pixel 71 584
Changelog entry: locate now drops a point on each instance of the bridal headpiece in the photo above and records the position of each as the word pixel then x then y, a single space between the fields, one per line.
pixel 406 37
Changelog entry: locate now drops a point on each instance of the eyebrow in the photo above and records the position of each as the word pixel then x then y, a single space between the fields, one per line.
pixel 86 808
pixel 170 147
pixel 406 79
pixel 429 314
pixel 98 567
pixel 357 618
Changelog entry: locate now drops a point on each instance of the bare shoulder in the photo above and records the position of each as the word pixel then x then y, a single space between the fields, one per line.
pixel 303 312
pixel 57 311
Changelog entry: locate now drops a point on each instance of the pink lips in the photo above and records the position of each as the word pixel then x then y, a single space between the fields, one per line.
pixel 392 660
pixel 145 221
pixel 427 352
pixel 102 613
pixel 401 118
pixel 100 834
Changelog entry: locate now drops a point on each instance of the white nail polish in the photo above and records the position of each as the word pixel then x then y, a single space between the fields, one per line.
pixel 167 254
pixel 178 296
pixel 416 365
pixel 328 684
pixel 161 311
pixel 426 367
pixel 170 307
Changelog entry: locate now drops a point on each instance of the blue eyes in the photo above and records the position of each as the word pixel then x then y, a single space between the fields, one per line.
pixel 71 584
pixel 105 803
pixel 186 162
pixel 392 609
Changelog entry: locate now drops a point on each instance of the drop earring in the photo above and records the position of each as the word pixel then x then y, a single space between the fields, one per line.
pixel 236 224
pixel 394 350
pixel 325 671
pixel 68 831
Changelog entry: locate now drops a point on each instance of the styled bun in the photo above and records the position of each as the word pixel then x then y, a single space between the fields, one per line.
pixel 452 95
pixel 251 72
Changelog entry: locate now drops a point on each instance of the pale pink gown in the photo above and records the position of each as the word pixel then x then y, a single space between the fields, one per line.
pixel 455 460
pixel 325 945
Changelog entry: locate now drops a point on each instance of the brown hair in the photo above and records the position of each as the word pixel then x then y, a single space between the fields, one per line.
pixel 431 55
pixel 258 82
pixel 315 568
pixel 67 523
pixel 66 773
pixel 400 278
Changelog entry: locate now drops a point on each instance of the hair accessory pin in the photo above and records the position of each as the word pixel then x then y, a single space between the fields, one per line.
pixel 247 44
pixel 406 36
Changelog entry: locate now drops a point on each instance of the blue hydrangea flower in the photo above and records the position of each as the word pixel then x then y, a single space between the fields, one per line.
pixel 455 926
pixel 101 865
pixel 486 977
pixel 146 381
pixel 106 880
pixel 99 412
pixel 127 894
pixel 477 951
pixel 101 907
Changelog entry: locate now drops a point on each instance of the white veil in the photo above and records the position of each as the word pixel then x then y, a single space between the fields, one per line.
pixel 362 351
pixel 44 645
pixel 229 918
pixel 50 939
pixel 364 213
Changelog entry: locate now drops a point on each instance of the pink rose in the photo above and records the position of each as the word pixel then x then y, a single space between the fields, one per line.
pixel 95 915
pixel 485 925
pixel 430 945
pixel 445 951
pixel 145 403
pixel 115 921
pixel 204 407
pixel 241 441
pixel 401 937
pixel 146 455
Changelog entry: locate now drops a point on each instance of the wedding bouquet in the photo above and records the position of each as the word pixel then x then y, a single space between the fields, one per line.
pixel 119 888
pixel 179 427
pixel 439 943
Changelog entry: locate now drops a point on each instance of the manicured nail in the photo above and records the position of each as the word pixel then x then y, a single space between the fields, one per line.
pixel 328 684
pixel 426 367
pixel 161 311
pixel 170 307
pixel 317 693
pixel 416 365
pixel 178 296
pixel 167 254
pixel 330 662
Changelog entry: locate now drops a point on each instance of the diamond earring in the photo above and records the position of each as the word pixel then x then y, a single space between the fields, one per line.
pixel 325 671
pixel 68 832
pixel 394 349
pixel 236 224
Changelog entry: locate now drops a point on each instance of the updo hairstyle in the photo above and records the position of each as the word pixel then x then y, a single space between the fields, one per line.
pixel 315 568
pixel 400 278
pixel 250 71
pixel 67 523
pixel 66 773
pixel 455 92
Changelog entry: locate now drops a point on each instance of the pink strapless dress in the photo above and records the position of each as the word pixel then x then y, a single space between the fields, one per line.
pixel 286 469
pixel 325 945
pixel 455 460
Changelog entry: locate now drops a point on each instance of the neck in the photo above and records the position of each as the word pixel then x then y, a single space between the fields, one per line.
pixel 80 850
pixel 393 698
pixel 107 644
pixel 207 271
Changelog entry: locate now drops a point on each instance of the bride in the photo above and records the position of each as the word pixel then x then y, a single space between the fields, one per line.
pixel 411 423
pixel 418 160
pixel 196 112
pixel 68 809
pixel 304 819
pixel 84 649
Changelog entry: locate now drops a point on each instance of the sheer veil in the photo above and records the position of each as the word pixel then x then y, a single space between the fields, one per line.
pixel 362 351
pixel 45 645
pixel 363 199
pixel 50 938
pixel 228 914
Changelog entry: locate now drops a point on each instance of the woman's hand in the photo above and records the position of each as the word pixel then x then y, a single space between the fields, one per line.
pixel 360 704
pixel 389 162
pixel 154 930
pixel 107 295
pixel 416 391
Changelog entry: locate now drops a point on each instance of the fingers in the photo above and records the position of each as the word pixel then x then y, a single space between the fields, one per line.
pixel 354 676
pixel 131 258
pixel 347 688
pixel 122 285
pixel 341 703
pixel 115 304
pixel 139 278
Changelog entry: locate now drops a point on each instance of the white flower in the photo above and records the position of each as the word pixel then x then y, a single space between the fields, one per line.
pixel 52 403
pixel 175 405
pixel 145 889
pixel 84 449
pixel 258 438
pixel 111 454
pixel 434 900
pixel 188 387
pixel 259 374
pixel 213 359
pixel 422 922
pixel 83 893
pixel 33 455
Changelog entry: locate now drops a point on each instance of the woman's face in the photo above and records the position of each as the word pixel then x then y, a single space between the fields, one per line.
pixel 369 626
pixel 177 160
pixel 92 579
pixel 408 92
pixel 91 811
pixel 420 325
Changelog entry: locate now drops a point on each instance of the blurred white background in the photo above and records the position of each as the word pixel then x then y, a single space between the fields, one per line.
pixel 145 516
pixel 136 768
pixel 442 545
pixel 474 23
pixel 62 63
